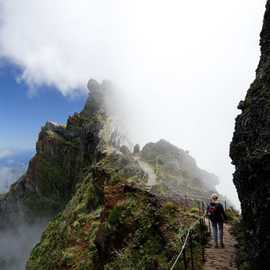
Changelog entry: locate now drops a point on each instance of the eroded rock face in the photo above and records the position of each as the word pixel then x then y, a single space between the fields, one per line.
pixel 107 217
pixel 64 153
pixel 112 223
pixel 53 173
pixel 250 152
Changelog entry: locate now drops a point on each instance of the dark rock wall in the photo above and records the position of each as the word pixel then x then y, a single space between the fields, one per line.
pixel 250 152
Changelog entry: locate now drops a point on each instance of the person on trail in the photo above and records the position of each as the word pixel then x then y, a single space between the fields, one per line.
pixel 217 216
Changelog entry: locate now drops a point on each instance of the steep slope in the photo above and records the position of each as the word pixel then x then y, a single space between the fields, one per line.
pixel 96 195
pixel 112 221
pixel 63 153
pixel 250 152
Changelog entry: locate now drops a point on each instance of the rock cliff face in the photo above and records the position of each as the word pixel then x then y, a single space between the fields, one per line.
pixel 250 152
pixel 112 221
pixel 52 175
pixel 63 154
pixel 94 192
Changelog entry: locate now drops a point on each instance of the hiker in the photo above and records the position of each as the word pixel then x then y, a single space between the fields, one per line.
pixel 216 214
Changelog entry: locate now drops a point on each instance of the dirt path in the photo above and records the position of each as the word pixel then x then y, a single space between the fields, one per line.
pixel 221 258
pixel 152 178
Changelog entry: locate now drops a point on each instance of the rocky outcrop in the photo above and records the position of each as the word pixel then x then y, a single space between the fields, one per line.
pixel 112 220
pixel 93 191
pixel 62 153
pixel 250 152
pixel 177 172
pixel 113 223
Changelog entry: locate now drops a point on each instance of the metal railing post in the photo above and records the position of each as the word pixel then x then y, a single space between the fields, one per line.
pixel 209 226
pixel 188 244
pixel 185 259
pixel 202 240
pixel 203 209
pixel 191 251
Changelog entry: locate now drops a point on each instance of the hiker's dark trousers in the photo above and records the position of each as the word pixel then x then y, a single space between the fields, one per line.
pixel 217 231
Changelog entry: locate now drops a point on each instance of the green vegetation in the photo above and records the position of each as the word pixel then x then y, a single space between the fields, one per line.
pixel 68 242
pixel 199 237
pixel 116 227
pixel 233 216
pixel 195 210
pixel 243 259
pixel 177 172
pixel 106 217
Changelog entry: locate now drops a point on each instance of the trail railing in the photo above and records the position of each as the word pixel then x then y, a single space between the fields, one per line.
pixel 188 246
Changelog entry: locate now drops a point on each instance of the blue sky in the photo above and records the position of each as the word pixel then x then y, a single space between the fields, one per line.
pixel 181 67
pixel 22 114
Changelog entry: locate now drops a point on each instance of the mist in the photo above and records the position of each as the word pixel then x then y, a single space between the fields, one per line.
pixel 7 176
pixel 16 244
pixel 12 166
pixel 180 67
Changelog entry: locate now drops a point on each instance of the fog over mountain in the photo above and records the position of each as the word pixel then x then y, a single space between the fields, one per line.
pixel 82 171
pixel 12 166
pixel 180 67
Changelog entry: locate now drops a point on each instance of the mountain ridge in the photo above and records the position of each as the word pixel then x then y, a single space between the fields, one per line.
pixel 91 189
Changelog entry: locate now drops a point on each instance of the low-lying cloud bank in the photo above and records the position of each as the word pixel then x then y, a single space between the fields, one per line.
pixel 7 177
pixel 16 245
pixel 12 166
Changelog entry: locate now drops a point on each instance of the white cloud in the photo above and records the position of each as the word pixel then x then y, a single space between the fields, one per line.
pixel 8 176
pixel 5 179
pixel 12 166
pixel 182 65
pixel 4 153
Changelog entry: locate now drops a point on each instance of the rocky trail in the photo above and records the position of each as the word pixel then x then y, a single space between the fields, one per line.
pixel 221 258
pixel 152 178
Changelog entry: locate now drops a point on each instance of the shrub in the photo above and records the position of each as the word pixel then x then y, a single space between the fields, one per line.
pixel 195 210
pixel 232 215
pixel 115 215
pixel 170 206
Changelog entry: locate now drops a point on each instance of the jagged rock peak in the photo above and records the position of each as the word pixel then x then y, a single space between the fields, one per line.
pixel 53 126
pixel 98 92
pixel 62 151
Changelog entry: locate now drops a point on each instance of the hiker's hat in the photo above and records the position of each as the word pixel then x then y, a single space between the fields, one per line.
pixel 214 197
